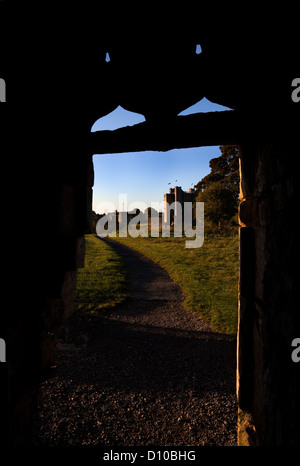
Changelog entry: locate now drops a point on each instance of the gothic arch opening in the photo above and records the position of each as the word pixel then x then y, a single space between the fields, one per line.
pixel 118 118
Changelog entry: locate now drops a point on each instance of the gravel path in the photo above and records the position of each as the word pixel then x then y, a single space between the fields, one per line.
pixel 148 372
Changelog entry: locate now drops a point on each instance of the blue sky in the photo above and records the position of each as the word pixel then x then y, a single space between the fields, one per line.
pixel 147 176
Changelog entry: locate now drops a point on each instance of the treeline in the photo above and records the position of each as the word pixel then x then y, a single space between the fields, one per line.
pixel 219 190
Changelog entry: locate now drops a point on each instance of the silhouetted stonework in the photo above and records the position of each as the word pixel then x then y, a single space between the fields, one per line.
pixel 267 377
pixel 58 84
pixel 177 197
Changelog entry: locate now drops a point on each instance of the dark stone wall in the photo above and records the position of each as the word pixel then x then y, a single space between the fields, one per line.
pixel 45 247
pixel 268 379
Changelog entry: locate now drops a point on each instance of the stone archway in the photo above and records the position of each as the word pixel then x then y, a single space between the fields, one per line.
pixel 264 122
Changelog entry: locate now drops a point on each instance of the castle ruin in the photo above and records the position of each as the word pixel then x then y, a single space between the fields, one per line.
pixel 177 197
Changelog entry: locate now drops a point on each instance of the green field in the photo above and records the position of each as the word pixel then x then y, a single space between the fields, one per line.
pixel 208 275
pixel 102 283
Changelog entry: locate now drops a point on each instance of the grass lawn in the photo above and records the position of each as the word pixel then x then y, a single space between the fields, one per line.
pixel 208 275
pixel 102 283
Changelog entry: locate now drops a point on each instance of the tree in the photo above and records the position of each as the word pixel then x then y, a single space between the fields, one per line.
pixel 224 170
pixel 219 190
pixel 219 203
